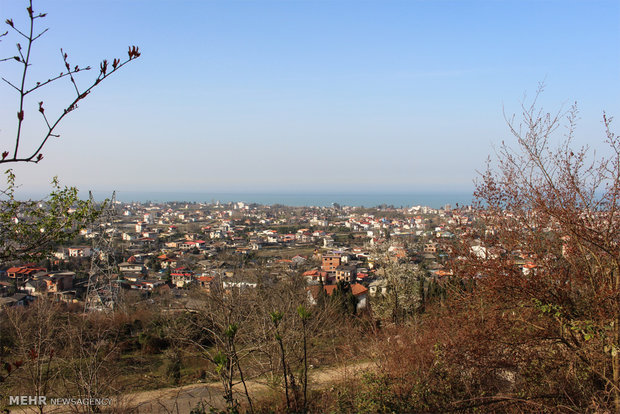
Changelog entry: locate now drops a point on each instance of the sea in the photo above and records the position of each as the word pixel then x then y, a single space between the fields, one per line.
pixel 433 200
pixel 398 200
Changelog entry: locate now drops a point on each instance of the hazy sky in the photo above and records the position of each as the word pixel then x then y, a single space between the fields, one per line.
pixel 327 96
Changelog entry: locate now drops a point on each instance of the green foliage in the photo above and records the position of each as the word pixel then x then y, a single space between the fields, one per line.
pixel 551 309
pixel 231 330
pixel 344 299
pixel 322 298
pixel 276 317
pixel 303 313
pixel 30 229
pixel 587 329
pixel 221 362
pixel 153 341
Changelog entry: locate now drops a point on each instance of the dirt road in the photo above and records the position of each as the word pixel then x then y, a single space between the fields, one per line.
pixel 182 400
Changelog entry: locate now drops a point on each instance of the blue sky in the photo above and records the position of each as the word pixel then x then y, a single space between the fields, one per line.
pixel 307 96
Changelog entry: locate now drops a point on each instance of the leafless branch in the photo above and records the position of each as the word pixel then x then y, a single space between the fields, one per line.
pixel 24 59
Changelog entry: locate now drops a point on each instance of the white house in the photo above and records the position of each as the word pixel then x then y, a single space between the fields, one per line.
pixel 80 251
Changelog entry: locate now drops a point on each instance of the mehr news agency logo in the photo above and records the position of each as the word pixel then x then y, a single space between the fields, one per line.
pixel 39 400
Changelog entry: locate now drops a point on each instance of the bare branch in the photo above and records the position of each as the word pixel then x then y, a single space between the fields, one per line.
pixel 16 88
pixel 62 75
pixel 36 155
pixel 17 30
pixel 40 34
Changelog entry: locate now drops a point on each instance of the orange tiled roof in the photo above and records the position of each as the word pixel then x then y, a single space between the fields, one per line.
pixel 358 289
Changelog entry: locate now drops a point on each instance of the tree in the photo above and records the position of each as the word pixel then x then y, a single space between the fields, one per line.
pixel 290 337
pixel 30 229
pixel 304 315
pixel 405 288
pixel 546 262
pixel 36 336
pixel 276 318
pixel 218 327
pixel 343 299
pixel 529 319
pixel 25 89
pixel 91 345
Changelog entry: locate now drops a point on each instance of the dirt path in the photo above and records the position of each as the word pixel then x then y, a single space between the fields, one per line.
pixel 183 399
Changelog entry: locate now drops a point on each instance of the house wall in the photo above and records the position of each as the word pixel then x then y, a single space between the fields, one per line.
pixel 330 263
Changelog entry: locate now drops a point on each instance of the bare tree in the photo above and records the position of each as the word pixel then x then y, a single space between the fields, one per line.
pixel 217 325
pixel 546 257
pixel 289 330
pixel 37 345
pixel 26 88
pixel 91 345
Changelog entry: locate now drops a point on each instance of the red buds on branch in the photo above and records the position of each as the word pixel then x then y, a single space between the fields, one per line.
pixel 133 52
pixel 24 59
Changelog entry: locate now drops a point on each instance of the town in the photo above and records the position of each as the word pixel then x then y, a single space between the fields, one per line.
pixel 395 232
pixel 174 247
